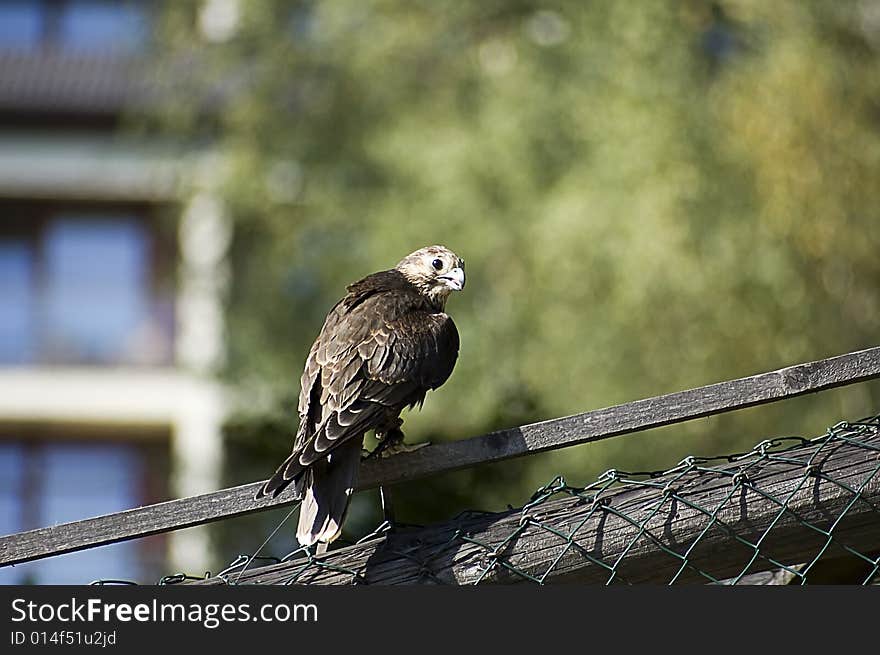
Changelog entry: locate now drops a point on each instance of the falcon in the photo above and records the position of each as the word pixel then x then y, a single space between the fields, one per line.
pixel 381 349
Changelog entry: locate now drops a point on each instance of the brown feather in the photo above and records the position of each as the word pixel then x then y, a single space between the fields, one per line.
pixel 381 349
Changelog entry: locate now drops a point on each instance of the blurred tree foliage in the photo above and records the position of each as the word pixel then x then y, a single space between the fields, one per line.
pixel 649 196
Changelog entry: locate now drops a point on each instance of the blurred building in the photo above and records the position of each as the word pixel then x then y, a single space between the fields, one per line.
pixel 110 322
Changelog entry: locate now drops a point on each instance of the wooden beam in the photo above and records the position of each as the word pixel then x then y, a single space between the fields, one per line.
pixel 628 418
pixel 590 426
pixel 700 525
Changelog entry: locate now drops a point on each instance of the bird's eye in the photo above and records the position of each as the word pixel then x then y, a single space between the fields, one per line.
pixel 437 264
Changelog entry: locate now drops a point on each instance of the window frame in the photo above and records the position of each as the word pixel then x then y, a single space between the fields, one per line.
pixel 29 221
pixel 150 445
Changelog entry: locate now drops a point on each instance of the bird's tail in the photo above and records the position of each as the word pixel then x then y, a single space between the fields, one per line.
pixel 289 471
pixel 326 488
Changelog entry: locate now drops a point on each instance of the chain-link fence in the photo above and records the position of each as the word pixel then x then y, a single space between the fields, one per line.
pixel 791 510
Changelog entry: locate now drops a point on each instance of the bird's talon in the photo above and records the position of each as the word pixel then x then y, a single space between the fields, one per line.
pixel 400 447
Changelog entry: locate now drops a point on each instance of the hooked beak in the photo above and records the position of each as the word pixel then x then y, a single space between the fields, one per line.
pixel 454 279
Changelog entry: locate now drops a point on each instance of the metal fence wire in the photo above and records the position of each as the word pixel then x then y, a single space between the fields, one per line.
pixel 791 510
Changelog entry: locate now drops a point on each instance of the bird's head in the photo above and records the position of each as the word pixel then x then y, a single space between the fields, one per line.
pixel 435 271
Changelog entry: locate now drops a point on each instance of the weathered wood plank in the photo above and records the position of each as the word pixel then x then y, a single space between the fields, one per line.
pixel 629 417
pixel 626 532
pixel 129 524
pixel 590 426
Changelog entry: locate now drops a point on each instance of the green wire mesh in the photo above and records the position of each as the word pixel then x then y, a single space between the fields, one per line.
pixel 791 510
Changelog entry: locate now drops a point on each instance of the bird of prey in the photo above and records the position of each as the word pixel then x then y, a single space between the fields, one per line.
pixel 382 348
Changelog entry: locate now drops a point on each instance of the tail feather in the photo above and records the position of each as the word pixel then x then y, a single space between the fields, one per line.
pixel 327 487
pixel 289 471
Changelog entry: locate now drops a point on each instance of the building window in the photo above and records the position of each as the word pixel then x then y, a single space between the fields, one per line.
pixel 21 24
pixel 16 302
pixel 102 25
pixel 96 289
pixel 75 25
pixel 46 483
pixel 82 288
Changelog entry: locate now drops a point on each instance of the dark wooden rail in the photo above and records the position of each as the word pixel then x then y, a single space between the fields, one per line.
pixel 595 425
pixel 780 504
